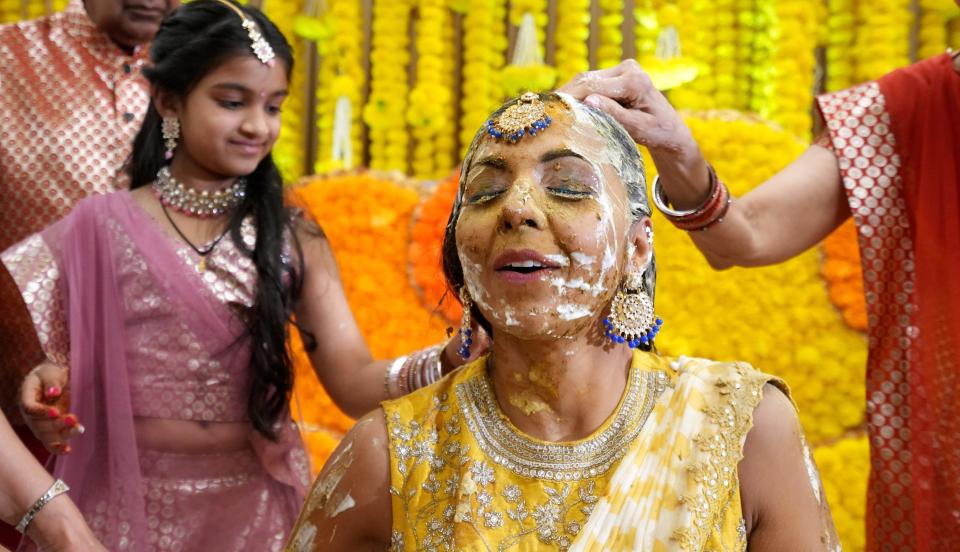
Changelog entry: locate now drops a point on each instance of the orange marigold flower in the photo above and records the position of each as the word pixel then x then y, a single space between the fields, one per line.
pixel 366 218
pixel 842 271
pixel 430 222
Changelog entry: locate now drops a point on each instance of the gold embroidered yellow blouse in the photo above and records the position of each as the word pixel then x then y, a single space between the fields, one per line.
pixel 659 474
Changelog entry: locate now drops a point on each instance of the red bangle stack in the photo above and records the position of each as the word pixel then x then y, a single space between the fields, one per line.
pixel 706 215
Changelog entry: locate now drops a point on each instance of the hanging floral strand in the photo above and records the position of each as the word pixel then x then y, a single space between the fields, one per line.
pixel 882 43
pixel 429 98
pixel 484 45
pixel 571 37
pixel 386 108
pixel 288 151
pixel 840 35
pixel 610 40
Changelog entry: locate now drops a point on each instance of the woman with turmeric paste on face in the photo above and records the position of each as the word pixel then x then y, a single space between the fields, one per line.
pixel 573 433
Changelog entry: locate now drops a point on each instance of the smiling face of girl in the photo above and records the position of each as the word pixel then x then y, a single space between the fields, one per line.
pixel 545 233
pixel 231 118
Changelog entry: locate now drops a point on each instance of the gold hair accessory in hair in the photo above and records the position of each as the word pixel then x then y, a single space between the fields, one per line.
pixel 261 48
pixel 527 116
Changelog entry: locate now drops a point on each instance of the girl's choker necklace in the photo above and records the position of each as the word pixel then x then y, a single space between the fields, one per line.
pixel 176 195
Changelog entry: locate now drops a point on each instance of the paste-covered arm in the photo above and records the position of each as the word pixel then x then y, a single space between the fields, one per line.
pixel 783 500
pixel 348 508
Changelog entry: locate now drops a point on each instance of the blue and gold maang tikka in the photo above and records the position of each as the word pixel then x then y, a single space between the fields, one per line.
pixel 527 117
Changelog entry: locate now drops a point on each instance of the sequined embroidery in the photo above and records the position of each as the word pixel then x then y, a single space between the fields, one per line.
pixel 449 490
pixel 33 268
pixel 462 493
pixel 193 383
pixel 557 461
pixel 181 492
pixel 678 486
pixel 714 473
pixel 303 539
pixel 230 275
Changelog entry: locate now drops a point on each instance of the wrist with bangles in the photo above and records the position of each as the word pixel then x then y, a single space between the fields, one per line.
pixel 55 490
pixel 710 212
pixel 409 373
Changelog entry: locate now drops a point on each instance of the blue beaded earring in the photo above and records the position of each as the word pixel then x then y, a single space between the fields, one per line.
pixel 631 319
pixel 465 331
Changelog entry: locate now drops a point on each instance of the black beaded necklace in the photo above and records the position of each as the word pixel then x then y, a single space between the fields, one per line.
pixel 202 265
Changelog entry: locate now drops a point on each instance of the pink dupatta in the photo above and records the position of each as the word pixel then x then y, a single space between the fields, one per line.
pixel 104 470
pixel 104 467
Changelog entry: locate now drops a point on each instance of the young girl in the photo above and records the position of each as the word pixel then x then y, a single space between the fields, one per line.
pixel 163 310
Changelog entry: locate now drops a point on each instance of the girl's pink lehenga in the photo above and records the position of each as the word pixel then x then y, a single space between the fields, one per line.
pixel 149 335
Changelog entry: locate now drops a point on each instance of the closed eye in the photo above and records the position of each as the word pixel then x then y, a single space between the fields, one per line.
pixel 567 193
pixel 483 197
pixel 230 104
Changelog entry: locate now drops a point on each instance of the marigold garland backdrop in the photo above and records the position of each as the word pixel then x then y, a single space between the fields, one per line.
pixel 401 86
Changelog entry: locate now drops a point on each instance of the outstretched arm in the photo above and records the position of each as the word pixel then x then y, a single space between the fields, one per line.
pixel 783 500
pixel 59 526
pixel 354 380
pixel 786 215
pixel 341 359
pixel 348 507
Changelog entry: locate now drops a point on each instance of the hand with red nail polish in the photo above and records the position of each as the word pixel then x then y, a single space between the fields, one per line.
pixel 44 400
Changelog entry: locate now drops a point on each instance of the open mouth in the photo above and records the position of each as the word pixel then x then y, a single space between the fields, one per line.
pixel 523 267
pixel 523 264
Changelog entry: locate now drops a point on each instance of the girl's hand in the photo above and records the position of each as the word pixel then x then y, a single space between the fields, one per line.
pixel 45 402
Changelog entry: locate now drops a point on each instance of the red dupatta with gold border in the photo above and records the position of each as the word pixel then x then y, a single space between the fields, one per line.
pixel 897 141
pixel 924 106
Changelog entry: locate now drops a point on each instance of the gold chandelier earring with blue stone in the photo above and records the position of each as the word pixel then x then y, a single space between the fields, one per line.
pixel 632 320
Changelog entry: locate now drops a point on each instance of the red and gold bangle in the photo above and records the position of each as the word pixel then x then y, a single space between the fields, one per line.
pixel 712 211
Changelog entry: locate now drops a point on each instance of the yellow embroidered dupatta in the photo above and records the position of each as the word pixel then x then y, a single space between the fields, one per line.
pixel 678 487
pixel 659 474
